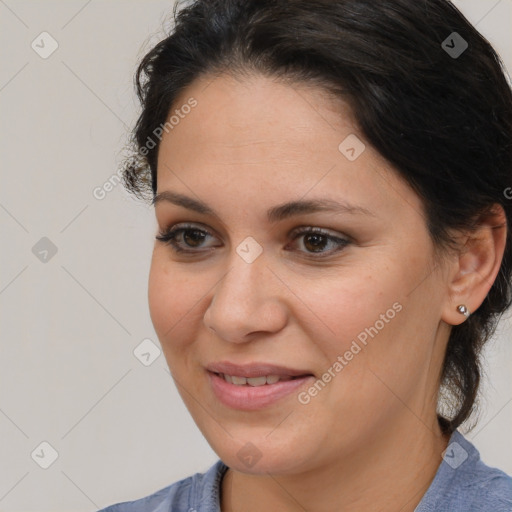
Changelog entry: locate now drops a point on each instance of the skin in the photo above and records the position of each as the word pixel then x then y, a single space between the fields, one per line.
pixel 369 440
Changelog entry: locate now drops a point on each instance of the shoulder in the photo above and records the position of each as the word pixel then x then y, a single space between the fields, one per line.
pixel 490 488
pixel 198 492
pixel 464 483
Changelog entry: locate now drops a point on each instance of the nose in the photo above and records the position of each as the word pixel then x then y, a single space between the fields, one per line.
pixel 247 300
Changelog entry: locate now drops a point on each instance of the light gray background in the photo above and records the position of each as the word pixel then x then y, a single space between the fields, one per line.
pixel 69 326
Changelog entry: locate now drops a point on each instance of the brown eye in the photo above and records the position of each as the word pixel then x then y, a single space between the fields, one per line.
pixel 315 240
pixel 193 237
pixel 185 238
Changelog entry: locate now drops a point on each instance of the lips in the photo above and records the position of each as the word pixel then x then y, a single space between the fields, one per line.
pixel 255 370
pixel 254 386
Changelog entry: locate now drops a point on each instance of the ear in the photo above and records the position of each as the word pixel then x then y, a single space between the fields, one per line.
pixel 477 264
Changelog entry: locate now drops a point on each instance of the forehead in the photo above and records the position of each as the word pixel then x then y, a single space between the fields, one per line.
pixel 265 137
pixel 234 111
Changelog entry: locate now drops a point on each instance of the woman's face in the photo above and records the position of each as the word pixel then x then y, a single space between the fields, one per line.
pixel 354 314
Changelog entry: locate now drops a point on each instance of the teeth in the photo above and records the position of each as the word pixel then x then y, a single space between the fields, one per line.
pixel 254 381
pixel 257 381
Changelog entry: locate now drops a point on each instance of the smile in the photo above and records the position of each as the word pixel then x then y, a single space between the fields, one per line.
pixel 255 381
pixel 255 387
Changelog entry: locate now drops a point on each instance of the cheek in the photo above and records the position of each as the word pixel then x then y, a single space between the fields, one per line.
pixel 369 321
pixel 385 349
pixel 348 308
pixel 170 299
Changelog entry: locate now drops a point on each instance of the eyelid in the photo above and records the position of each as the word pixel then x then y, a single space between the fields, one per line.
pixel 298 229
pixel 323 231
pixel 185 226
pixel 173 230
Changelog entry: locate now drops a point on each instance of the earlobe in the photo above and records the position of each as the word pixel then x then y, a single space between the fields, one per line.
pixel 477 266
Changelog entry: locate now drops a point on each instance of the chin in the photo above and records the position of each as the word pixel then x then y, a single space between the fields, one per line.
pixel 260 456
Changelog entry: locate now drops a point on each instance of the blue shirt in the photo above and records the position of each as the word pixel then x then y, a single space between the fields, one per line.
pixel 463 483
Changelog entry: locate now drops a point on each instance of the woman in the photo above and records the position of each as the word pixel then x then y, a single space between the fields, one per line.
pixel 329 181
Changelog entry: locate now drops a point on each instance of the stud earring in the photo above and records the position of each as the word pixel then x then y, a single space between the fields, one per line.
pixel 463 310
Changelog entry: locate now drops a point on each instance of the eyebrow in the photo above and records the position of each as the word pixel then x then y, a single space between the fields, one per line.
pixel 274 214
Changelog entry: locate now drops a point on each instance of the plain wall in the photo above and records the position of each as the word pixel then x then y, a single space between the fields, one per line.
pixel 69 325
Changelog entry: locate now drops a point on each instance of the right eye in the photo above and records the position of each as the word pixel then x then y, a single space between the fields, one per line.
pixel 184 238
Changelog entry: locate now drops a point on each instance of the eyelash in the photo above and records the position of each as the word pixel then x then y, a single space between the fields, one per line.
pixel 169 237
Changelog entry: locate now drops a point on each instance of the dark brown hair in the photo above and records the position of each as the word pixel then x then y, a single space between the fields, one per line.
pixel 442 120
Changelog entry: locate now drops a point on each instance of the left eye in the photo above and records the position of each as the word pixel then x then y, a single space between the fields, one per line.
pixel 314 239
pixel 317 239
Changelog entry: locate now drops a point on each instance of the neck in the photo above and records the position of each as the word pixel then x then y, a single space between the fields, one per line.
pixel 391 473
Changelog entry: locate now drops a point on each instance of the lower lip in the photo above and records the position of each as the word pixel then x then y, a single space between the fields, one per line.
pixel 250 398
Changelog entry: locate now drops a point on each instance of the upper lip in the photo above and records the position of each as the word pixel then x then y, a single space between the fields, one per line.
pixel 254 369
